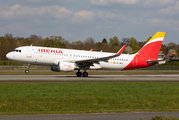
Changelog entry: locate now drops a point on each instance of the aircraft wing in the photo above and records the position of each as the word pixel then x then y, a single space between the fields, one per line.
pixel 89 62
pixel 94 60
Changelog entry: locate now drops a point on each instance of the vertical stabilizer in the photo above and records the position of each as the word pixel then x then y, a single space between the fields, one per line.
pixel 152 47
pixel 149 52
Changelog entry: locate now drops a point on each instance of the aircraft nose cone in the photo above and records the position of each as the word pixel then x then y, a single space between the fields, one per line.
pixel 8 56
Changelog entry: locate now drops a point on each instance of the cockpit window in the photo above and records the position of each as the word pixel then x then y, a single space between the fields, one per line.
pixel 16 50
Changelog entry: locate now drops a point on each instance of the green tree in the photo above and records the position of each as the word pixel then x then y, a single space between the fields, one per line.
pixel 2 45
pixel 134 45
pixel 36 40
pixel 141 44
pixel 147 40
pixel 77 42
pixel 104 40
pixel 89 43
pixel 48 42
pixel 125 41
pixel 177 49
pixel 114 43
pixel 77 45
pixel 172 45
pixel 54 41
pixel 164 49
pixel 99 46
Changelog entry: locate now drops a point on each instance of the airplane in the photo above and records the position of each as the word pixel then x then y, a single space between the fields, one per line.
pixel 69 59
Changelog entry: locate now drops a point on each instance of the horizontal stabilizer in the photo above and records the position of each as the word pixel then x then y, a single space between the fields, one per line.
pixel 156 61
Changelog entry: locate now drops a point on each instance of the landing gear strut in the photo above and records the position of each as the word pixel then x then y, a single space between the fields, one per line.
pixel 85 74
pixel 27 70
pixel 78 74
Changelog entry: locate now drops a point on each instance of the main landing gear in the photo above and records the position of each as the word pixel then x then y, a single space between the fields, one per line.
pixel 85 74
pixel 27 70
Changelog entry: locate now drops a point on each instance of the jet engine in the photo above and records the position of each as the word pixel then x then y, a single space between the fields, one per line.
pixel 63 66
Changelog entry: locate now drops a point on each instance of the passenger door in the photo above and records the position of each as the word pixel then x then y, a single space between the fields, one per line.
pixel 29 52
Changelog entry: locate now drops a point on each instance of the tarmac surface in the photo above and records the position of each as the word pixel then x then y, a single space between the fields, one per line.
pixel 91 78
pixel 72 78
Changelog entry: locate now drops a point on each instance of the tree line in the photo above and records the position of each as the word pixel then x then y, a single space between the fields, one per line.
pixel 9 43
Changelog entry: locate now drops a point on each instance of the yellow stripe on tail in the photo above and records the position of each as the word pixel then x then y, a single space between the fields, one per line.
pixel 157 35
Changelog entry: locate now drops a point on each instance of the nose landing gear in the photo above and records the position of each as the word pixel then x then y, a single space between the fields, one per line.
pixel 27 70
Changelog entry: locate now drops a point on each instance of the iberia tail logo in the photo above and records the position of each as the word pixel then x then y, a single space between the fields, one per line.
pixel 148 52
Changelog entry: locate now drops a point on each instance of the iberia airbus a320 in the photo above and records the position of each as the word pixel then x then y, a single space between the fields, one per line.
pixel 69 60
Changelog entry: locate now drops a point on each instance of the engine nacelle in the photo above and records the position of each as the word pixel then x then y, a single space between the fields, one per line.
pixel 63 66
pixel 55 68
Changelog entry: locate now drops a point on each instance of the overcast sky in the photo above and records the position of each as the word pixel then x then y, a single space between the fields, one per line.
pixel 79 19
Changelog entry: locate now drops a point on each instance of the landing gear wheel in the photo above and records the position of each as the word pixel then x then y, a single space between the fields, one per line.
pixel 85 74
pixel 78 74
pixel 26 71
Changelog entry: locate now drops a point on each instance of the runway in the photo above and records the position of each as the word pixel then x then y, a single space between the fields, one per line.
pixel 91 78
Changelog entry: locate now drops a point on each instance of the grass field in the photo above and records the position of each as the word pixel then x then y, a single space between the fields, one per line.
pixel 87 97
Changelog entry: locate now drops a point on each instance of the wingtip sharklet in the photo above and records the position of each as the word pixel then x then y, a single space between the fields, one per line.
pixel 121 50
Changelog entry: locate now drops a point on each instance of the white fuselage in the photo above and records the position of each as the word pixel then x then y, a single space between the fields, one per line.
pixel 51 56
